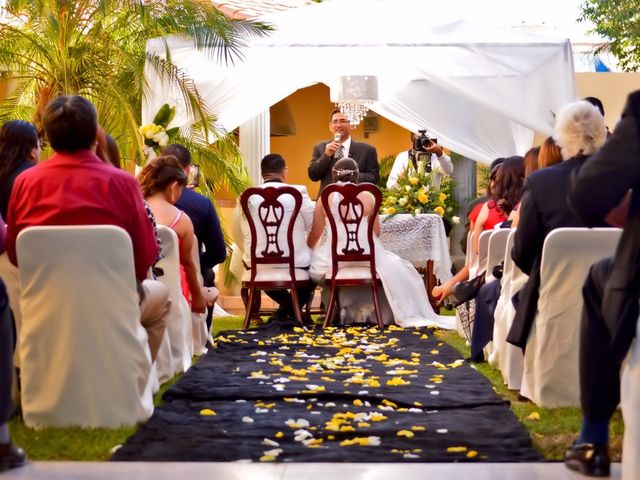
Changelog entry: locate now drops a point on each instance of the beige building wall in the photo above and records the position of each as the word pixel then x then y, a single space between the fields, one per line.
pixel 611 88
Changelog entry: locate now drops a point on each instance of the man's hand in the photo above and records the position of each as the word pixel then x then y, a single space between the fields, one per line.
pixel 332 148
pixel 434 148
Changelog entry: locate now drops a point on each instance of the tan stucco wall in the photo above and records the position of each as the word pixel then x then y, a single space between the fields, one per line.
pixel 611 88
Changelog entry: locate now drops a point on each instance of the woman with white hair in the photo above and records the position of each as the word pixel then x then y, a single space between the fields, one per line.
pixel 579 132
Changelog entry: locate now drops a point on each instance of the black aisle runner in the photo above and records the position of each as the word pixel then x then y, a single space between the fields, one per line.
pixel 338 395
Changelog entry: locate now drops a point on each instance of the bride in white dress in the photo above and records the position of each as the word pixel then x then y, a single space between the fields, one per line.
pixel 404 300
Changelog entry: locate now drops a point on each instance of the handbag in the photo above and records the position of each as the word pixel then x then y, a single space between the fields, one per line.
pixel 467 290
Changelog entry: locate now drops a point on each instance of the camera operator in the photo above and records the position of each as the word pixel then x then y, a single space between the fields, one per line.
pixel 423 149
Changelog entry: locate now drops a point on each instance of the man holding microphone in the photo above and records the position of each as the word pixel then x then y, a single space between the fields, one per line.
pixel 325 154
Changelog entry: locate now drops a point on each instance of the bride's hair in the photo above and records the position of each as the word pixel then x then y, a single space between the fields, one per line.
pixel 345 170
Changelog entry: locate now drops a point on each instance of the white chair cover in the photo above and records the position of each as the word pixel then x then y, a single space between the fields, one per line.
pixel 11 277
pixel 84 354
pixel 495 250
pixel 495 255
pixel 550 376
pixel 178 320
pixel 630 403
pixel 469 253
pixel 504 356
pixel 198 320
pixel 483 251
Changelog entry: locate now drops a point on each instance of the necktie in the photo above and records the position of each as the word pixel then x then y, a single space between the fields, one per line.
pixel 339 153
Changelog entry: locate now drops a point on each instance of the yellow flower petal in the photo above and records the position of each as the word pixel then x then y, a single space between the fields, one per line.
pixel 534 416
pixel 456 449
pixel 418 428
pixel 207 412
pixel 472 453
pixel 405 433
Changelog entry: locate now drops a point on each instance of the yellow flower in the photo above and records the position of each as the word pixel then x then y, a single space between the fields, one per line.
pixel 442 197
pixel 405 433
pixel 413 180
pixel 534 416
pixel 389 210
pixel 391 200
pixel 207 412
pixel 423 198
pixel 439 211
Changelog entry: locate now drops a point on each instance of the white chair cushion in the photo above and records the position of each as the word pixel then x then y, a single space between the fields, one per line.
pixel 352 273
pixel 276 275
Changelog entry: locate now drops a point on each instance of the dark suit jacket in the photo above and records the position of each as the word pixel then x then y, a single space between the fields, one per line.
pixel 363 153
pixel 544 208
pixel 597 187
pixel 206 226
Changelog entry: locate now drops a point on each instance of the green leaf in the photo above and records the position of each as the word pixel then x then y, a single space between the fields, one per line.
pixel 164 115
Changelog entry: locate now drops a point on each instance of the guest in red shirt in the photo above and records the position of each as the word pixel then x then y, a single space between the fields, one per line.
pixel 74 187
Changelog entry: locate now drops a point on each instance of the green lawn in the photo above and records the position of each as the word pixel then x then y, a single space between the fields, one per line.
pixel 556 429
pixel 552 433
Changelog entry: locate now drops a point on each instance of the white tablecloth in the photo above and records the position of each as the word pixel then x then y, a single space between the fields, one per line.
pixel 418 239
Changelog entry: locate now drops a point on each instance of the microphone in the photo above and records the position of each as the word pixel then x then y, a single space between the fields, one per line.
pixel 337 137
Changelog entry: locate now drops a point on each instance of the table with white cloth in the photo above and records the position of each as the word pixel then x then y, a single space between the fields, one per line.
pixel 421 240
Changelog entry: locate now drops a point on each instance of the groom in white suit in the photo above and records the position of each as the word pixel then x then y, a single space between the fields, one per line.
pixel 274 172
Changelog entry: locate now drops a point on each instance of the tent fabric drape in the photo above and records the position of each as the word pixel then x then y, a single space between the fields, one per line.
pixel 481 90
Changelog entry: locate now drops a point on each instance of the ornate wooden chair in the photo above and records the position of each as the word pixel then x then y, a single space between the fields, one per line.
pixel 271 248
pixel 348 227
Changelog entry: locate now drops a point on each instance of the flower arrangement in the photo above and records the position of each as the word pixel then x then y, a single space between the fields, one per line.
pixel 155 134
pixel 416 194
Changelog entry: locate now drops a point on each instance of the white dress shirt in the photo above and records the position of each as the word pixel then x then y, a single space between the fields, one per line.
pixel 441 165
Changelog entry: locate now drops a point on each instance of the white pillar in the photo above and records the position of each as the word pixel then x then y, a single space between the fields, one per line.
pixel 254 144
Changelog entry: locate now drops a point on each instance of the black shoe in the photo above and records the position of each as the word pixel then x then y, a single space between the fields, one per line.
pixel 588 459
pixel 11 456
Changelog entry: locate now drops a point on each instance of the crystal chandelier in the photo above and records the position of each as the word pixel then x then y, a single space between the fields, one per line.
pixel 354 96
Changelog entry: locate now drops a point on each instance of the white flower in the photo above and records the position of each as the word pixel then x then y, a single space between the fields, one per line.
pixel 455 220
pixel 164 140
pixel 417 211
pixel 403 201
pixel 407 188
pixel 161 138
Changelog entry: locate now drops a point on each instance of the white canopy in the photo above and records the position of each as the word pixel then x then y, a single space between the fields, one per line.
pixel 481 90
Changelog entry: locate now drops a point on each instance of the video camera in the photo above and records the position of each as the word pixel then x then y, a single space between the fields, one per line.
pixel 418 153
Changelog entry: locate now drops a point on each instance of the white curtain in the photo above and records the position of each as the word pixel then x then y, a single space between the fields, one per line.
pixel 481 90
